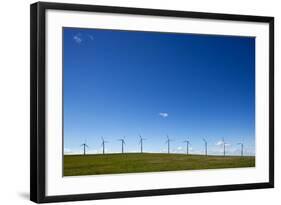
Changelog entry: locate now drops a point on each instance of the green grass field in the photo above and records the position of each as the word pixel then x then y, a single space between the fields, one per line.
pixel 147 162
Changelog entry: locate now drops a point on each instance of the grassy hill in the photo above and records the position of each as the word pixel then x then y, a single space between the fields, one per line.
pixel 148 162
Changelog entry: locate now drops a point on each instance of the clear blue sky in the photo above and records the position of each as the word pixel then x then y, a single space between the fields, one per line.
pixel 126 83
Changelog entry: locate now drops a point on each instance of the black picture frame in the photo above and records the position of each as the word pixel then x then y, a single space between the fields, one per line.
pixel 38 101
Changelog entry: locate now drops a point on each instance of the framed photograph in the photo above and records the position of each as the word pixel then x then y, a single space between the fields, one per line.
pixel 129 102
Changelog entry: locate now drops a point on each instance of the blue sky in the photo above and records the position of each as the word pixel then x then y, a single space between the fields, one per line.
pixel 187 86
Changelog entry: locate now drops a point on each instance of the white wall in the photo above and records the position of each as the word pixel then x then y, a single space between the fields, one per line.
pixel 14 100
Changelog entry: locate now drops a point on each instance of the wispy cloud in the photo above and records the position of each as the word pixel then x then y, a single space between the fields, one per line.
pixel 219 143
pixel 163 114
pixel 78 38
pixel 90 37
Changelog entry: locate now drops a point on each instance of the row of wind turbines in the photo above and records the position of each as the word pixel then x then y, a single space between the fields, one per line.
pixel 168 140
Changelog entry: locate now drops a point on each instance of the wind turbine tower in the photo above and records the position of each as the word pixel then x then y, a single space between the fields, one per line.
pixel 141 143
pixel 206 146
pixel 84 148
pixel 122 144
pixel 168 142
pixel 103 145
pixel 223 146
pixel 187 146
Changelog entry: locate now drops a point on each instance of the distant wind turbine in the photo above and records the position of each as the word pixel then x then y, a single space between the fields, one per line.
pixel 168 142
pixel 223 146
pixel 84 147
pixel 242 148
pixel 103 145
pixel 187 146
pixel 141 143
pixel 206 146
pixel 122 143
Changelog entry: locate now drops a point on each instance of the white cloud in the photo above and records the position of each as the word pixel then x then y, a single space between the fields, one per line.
pixel 77 38
pixel 219 143
pixel 179 148
pixel 163 114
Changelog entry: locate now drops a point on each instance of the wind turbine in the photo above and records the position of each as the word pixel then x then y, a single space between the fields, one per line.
pixel 242 148
pixel 168 142
pixel 206 146
pixel 187 145
pixel 84 147
pixel 103 145
pixel 223 146
pixel 122 143
pixel 141 143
